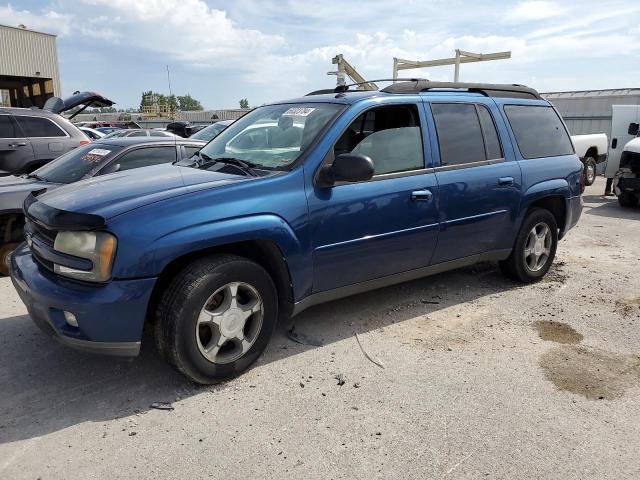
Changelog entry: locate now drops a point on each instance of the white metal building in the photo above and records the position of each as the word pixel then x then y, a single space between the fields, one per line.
pixel 29 73
pixel 590 111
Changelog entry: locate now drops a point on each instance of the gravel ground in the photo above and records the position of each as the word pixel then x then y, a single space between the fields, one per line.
pixel 481 378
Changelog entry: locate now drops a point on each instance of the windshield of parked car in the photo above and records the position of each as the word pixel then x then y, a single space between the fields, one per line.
pixel 74 165
pixel 209 133
pixel 273 136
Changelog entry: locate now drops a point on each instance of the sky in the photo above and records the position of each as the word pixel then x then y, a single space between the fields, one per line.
pixel 268 50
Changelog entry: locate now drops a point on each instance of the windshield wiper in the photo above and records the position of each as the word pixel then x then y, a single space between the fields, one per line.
pixel 36 176
pixel 247 167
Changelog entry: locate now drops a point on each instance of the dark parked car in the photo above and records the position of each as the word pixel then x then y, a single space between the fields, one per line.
pixel 141 132
pixel 30 137
pixel 210 132
pixel 298 203
pixel 98 158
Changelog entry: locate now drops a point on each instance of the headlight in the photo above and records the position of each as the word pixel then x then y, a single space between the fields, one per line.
pixel 99 247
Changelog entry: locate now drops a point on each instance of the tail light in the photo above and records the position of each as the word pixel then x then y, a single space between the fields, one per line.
pixel 84 142
pixel 582 180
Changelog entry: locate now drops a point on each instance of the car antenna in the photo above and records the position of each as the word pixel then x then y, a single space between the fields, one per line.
pixel 175 140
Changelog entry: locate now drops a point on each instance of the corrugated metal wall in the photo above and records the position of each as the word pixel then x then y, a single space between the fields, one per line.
pixel 25 52
pixel 590 111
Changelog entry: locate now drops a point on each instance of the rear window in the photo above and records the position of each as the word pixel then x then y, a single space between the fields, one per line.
pixel 34 127
pixel 539 131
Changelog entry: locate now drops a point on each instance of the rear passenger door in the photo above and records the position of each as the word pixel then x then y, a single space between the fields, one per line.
pixel 49 140
pixel 479 180
pixel 15 149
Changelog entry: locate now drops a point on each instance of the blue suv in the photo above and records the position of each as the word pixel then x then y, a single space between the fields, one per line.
pixel 297 203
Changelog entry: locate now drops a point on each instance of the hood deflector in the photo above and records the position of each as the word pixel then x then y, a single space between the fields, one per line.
pixel 56 219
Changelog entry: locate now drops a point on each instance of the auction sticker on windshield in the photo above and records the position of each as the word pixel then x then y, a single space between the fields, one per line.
pixel 96 154
pixel 299 111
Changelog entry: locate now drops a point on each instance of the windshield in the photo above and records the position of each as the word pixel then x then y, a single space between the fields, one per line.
pixel 209 133
pixel 273 136
pixel 74 165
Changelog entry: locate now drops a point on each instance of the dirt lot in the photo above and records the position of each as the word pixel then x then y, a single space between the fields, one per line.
pixel 482 378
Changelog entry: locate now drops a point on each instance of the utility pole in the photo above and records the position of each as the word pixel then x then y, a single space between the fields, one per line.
pixel 461 57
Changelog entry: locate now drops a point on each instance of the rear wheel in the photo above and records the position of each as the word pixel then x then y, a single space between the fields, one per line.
pixel 627 199
pixel 5 257
pixel 535 247
pixel 216 317
pixel 589 171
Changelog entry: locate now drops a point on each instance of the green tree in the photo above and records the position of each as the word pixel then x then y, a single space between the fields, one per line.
pixel 244 103
pixel 187 103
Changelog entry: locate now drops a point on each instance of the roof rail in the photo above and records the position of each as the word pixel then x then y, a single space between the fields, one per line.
pixel 345 88
pixel 486 89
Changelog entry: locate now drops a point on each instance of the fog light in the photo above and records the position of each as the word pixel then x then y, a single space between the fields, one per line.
pixel 71 319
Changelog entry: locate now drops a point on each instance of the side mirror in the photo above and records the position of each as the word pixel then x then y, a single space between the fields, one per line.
pixel 113 168
pixel 347 167
pixel 633 129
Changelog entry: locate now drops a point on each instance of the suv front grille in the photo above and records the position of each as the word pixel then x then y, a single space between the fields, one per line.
pixel 42 235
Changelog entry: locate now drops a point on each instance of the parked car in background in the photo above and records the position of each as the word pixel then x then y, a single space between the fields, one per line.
pixel 298 203
pixel 29 138
pixel 99 158
pixel 140 133
pixel 592 150
pixel 108 130
pixel 116 124
pixel 92 133
pixel 626 183
pixel 210 132
pixel 181 128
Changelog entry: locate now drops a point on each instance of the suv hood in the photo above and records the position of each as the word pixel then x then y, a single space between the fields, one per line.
pixel 58 105
pixel 121 192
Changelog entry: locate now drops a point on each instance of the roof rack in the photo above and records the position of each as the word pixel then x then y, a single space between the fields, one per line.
pixel 486 89
pixel 345 88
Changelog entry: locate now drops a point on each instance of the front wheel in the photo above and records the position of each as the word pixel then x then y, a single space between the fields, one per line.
pixel 534 249
pixel 589 171
pixel 627 199
pixel 216 317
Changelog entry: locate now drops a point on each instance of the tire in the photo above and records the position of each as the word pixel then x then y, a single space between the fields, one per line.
pixel 627 199
pixel 204 286
pixel 5 256
pixel 589 171
pixel 519 265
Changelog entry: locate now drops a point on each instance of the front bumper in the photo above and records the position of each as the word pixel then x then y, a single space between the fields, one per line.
pixel 110 317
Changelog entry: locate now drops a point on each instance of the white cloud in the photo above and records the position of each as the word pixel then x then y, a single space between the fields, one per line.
pixel 534 10
pixel 48 22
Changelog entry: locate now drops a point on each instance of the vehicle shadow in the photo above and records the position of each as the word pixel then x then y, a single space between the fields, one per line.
pixel 47 387
pixel 608 207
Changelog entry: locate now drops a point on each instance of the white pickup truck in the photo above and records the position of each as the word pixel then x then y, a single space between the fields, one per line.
pixel 592 149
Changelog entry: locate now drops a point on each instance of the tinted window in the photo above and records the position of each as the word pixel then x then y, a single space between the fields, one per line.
pixel 39 127
pixel 208 133
pixel 491 141
pixel 7 127
pixel 389 135
pixel 144 157
pixel 538 130
pixel 77 163
pixel 191 151
pixel 459 133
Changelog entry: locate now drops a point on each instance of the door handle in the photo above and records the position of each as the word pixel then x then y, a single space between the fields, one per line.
pixel 19 144
pixel 505 181
pixel 421 195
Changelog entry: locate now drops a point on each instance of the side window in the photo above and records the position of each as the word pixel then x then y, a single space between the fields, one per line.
pixel 138 134
pixel 538 130
pixel 190 151
pixel 7 127
pixel 459 133
pixel 39 127
pixel 491 141
pixel 144 157
pixel 389 135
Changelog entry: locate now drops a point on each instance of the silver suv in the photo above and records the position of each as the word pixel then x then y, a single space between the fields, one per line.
pixel 31 137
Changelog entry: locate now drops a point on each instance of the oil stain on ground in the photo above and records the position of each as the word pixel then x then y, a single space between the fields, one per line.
pixel 593 373
pixel 557 332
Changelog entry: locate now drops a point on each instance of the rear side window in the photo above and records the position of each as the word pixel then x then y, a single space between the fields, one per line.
pixel 459 133
pixel 538 130
pixel 7 127
pixel 144 157
pixel 39 127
